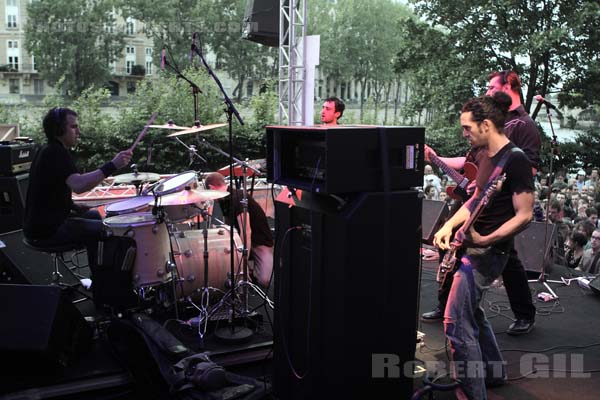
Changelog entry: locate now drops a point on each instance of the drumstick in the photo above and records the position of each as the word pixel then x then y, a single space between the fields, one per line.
pixel 143 132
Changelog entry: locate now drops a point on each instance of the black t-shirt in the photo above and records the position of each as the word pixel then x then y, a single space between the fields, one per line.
pixel 518 180
pixel 520 129
pixel 49 200
pixel 261 233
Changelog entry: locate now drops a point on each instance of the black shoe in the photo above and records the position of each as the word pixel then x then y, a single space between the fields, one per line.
pixel 521 327
pixel 432 316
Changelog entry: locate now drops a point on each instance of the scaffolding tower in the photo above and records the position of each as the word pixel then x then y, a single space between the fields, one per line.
pixel 292 73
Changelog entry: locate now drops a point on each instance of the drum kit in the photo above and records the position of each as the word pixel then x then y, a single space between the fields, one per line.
pixel 175 264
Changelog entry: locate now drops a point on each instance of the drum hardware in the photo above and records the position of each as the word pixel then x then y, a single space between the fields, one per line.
pixel 136 178
pixel 196 129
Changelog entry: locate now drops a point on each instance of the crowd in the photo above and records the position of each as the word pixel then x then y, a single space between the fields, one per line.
pixel 570 201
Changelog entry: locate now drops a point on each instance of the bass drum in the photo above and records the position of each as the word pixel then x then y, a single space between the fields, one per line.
pixel 188 249
pixel 152 246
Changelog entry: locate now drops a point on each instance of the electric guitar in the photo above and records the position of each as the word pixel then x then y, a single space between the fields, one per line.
pixel 458 192
pixel 449 263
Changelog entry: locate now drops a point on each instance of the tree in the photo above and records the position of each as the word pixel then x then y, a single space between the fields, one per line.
pixel 72 38
pixel 545 42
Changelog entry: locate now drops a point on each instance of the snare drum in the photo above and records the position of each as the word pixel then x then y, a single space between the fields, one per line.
pixel 177 183
pixel 128 206
pixel 188 248
pixel 152 242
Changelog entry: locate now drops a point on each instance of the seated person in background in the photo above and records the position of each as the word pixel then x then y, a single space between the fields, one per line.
pixel 574 249
pixel 332 110
pixel 258 234
pixel 590 261
pixel 51 217
pixel 563 230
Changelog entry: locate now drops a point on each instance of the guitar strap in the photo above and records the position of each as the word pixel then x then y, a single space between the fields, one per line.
pixel 496 172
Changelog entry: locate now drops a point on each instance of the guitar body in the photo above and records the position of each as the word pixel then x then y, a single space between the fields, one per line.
pixel 447 266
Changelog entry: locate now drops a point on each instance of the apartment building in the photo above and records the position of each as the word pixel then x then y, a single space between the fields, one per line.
pixel 20 80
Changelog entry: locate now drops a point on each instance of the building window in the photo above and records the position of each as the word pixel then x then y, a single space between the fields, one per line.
pixel 148 67
pixel 129 26
pixel 12 3
pixel 130 87
pixel 149 51
pixel 130 50
pixel 13 44
pixel 33 65
pixel 13 62
pixel 38 86
pixel 129 66
pixel 11 21
pixel 13 86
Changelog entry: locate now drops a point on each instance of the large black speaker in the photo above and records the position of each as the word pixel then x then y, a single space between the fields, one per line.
pixel 346 288
pixel 435 214
pixel 40 328
pixel 261 22
pixel 535 243
pixel 13 192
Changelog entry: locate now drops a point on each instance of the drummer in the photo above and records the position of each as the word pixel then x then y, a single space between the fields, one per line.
pixel 51 217
pixel 258 233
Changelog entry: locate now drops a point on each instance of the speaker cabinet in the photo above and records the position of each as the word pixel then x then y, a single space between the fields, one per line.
pixel 13 192
pixel 40 328
pixel 535 243
pixel 435 214
pixel 346 288
pixel 261 22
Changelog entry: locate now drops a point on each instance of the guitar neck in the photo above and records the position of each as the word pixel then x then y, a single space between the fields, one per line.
pixel 456 177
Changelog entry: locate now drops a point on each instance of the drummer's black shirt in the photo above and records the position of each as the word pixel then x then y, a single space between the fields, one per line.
pixel 49 200
pixel 261 233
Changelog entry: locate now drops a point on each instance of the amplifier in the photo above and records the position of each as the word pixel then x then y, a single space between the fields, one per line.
pixel 16 157
pixel 345 159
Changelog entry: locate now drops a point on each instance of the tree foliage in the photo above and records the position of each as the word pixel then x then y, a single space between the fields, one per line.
pixel 546 42
pixel 70 39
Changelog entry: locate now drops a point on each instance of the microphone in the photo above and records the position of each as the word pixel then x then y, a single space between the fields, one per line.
pixel 540 99
pixel 192 47
pixel 162 59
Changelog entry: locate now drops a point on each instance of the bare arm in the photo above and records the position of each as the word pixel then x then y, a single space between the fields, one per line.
pixel 456 163
pixel 523 205
pixel 80 183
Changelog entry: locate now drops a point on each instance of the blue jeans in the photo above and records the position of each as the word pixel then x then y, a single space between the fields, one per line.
pixel 474 350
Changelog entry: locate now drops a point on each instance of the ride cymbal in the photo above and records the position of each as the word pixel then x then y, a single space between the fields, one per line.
pixel 190 196
pixel 134 178
pixel 197 129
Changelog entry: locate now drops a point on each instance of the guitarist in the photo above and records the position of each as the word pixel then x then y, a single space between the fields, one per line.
pixel 522 131
pixel 485 246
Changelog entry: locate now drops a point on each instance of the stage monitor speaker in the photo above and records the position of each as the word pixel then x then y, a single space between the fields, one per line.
pixel 530 246
pixel 435 214
pixel 346 289
pixel 20 264
pixel 40 328
pixel 261 22
pixel 13 192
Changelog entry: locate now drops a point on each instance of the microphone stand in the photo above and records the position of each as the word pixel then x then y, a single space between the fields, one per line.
pixel 242 333
pixel 542 278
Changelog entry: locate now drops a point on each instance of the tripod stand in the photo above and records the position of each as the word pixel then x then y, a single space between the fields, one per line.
pixel 542 277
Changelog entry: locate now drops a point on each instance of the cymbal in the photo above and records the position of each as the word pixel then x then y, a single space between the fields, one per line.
pixel 169 126
pixel 190 196
pixel 139 177
pixel 197 129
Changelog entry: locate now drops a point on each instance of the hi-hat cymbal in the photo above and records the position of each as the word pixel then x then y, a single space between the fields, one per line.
pixel 197 129
pixel 169 126
pixel 190 196
pixel 136 178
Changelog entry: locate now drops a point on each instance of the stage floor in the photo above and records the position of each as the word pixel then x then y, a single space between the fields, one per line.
pixel 564 347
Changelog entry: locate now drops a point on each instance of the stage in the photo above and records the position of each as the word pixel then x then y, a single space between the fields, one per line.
pixel 559 358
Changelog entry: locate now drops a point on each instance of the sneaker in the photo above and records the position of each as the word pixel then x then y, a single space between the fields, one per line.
pixel 521 327
pixel 432 316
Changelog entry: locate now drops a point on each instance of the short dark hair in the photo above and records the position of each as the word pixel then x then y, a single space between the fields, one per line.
pixel 339 105
pixel 55 120
pixel 556 205
pixel 495 108
pixel 214 179
pixel 507 76
pixel 579 238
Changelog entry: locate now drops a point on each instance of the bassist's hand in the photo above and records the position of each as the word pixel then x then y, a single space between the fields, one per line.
pixel 429 151
pixel 442 237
